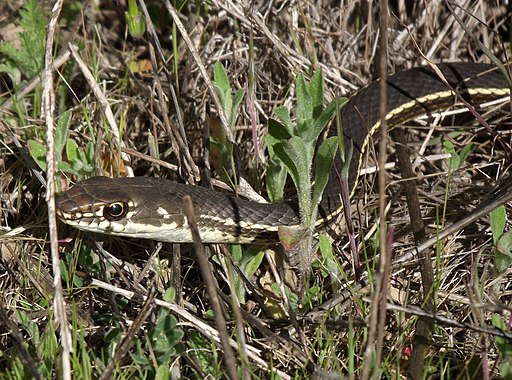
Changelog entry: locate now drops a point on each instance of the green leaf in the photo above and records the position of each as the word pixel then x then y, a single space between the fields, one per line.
pixel 330 263
pixel 170 295
pixel 498 221
pixel 304 105
pixel 38 153
pixel 61 133
pixel 297 158
pixel 135 20
pixel 165 334
pixel 454 160
pixel 72 150
pixel 222 149
pixel 297 161
pixel 236 252
pixel 13 72
pixel 325 158
pixel 278 132
pixel 221 83
pixel 341 136
pixel 316 90
pixel 276 171
pixel 253 263
pixel 248 262
pixel 89 152
pixel 284 117
pixel 345 168
pixel 239 96
pixel 65 167
pixel 162 373
pixel 77 165
pixel 30 326
pixel 275 180
pixel 220 77
pixel 319 124
pixel 466 151
pixel 504 252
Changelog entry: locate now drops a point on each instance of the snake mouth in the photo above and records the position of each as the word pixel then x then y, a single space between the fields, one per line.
pixel 69 210
pixel 66 208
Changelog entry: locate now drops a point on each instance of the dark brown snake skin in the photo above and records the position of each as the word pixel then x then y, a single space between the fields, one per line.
pixel 156 204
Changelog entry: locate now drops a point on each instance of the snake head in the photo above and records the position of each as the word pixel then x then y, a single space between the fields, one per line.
pixel 93 203
pixel 133 207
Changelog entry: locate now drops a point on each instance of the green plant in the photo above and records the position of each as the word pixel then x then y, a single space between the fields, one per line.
pixel 502 240
pixel 26 60
pixel 230 107
pixel 292 151
pixel 134 19
pixel 457 158
pixel 504 346
pixel 80 161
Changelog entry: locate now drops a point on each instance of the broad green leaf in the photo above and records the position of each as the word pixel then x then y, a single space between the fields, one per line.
pixel 284 117
pixel 65 167
pixel 61 133
pixel 454 160
pixel 248 262
pixel 276 171
pixel 498 221
pixel 253 264
pixel 71 150
pixel 297 162
pixel 162 373
pixel 77 165
pixel 330 263
pixel 220 77
pixel 275 180
pixel 222 149
pixel 237 284
pixel 170 295
pixel 236 252
pixel 320 123
pixel 278 132
pixel 304 105
pixel 466 151
pixel 290 238
pixel 89 152
pixel 325 158
pixel 503 254
pixel 38 153
pixel 165 334
pixel 316 90
pixel 502 262
pixel 30 327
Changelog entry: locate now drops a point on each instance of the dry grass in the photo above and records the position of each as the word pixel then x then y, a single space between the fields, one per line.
pixel 341 38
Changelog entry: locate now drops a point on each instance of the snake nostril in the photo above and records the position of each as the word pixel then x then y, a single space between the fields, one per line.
pixel 115 211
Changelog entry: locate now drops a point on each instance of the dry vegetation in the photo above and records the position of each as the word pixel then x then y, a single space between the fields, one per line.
pixel 263 45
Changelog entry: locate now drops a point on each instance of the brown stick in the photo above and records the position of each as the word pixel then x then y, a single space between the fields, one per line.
pixel 229 358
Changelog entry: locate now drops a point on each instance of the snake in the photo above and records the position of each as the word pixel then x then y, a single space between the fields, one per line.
pixel 152 208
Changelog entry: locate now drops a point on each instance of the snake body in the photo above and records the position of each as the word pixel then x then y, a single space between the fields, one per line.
pixel 151 208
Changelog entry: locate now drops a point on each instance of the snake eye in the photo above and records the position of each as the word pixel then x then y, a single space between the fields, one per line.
pixel 115 211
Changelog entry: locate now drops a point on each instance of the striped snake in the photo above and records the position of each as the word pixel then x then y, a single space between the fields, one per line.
pixel 151 208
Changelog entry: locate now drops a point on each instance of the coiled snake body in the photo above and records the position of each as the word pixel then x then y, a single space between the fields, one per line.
pixel 152 208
